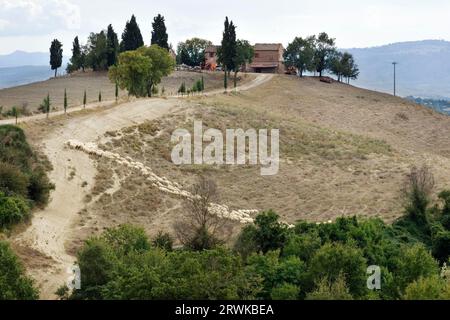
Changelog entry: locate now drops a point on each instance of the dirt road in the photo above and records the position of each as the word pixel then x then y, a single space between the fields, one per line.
pixel 73 174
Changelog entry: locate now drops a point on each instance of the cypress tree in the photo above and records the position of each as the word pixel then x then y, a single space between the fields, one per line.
pixel 84 99
pixel 76 61
pixel 56 55
pixel 131 37
pixel 159 33
pixel 117 91
pixel 65 101
pixel 112 43
pixel 100 96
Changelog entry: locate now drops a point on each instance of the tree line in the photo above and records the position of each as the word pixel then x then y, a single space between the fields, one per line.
pixel 273 261
pixel 319 54
pixel 102 49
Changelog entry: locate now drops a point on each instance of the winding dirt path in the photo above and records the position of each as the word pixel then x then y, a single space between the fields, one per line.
pixel 72 169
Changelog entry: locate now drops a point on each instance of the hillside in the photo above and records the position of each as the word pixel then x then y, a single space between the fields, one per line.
pixel 344 151
pixel 423 69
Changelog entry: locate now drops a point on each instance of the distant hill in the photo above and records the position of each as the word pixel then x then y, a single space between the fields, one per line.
pixel 423 69
pixel 16 76
pixel 22 58
pixel 22 67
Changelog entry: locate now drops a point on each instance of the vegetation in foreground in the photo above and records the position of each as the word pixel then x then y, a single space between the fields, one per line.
pixel 24 185
pixel 271 260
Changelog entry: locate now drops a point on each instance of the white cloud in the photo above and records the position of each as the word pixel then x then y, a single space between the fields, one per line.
pixel 36 17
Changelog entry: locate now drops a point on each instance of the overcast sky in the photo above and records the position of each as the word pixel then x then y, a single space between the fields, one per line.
pixel 30 25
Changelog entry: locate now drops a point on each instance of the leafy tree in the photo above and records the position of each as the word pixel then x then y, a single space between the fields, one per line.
pixel 159 33
pixel 244 55
pixel 14 284
pixel 56 55
pixel 131 37
pixel 76 62
pixel 112 46
pixel 335 259
pixel 285 291
pixel 97 57
pixel 141 70
pixel 343 66
pixel 192 51
pixel 300 54
pixel 324 49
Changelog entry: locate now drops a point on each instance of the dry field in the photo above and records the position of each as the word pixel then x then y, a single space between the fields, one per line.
pixel 344 151
pixel 31 95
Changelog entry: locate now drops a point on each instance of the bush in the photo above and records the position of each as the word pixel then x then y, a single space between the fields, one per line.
pixel 430 288
pixel 163 241
pixel 14 284
pixel 12 210
pixel 330 290
pixel 12 180
pixel 285 291
pixel 40 187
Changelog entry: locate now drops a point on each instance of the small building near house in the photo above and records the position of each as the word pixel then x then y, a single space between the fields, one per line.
pixel 268 58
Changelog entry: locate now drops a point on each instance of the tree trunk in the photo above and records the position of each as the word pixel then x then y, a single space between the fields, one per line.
pixel 225 80
pixel 56 70
pixel 235 79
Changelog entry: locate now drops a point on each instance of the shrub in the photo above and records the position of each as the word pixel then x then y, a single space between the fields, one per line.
pixel 12 180
pixel 285 291
pixel 331 290
pixel 12 210
pixel 14 284
pixel 40 187
pixel 430 288
pixel 163 241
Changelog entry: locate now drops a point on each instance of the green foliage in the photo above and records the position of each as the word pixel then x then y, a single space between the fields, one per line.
pixel 98 51
pixel 21 173
pixel 334 259
pixel 121 265
pixel 192 51
pixel 141 70
pixel 429 288
pixel 46 105
pixel 13 210
pixel 14 284
pixel 285 291
pixel 330 290
pixel 56 55
pixel 227 53
pixel 112 46
pixel 267 234
pixel 300 54
pixel 324 50
pixel 182 88
pixel 163 241
pixel 131 37
pixel 78 59
pixel 343 65
pixel 159 33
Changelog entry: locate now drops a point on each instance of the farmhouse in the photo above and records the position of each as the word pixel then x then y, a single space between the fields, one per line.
pixel 268 58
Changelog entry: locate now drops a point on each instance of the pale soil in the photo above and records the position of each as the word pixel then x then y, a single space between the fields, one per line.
pixel 93 82
pixel 74 175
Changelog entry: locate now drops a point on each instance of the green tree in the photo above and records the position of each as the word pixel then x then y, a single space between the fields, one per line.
pixel 300 54
pixel 131 37
pixel 99 96
pixel 141 70
pixel 84 99
pixel 430 288
pixel 97 57
pixel 192 51
pixel 14 284
pixel 15 113
pixel 324 49
pixel 244 55
pixel 227 53
pixel 116 92
pixel 76 61
pixel 112 46
pixel 56 55
pixel 159 32
pixel 335 259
